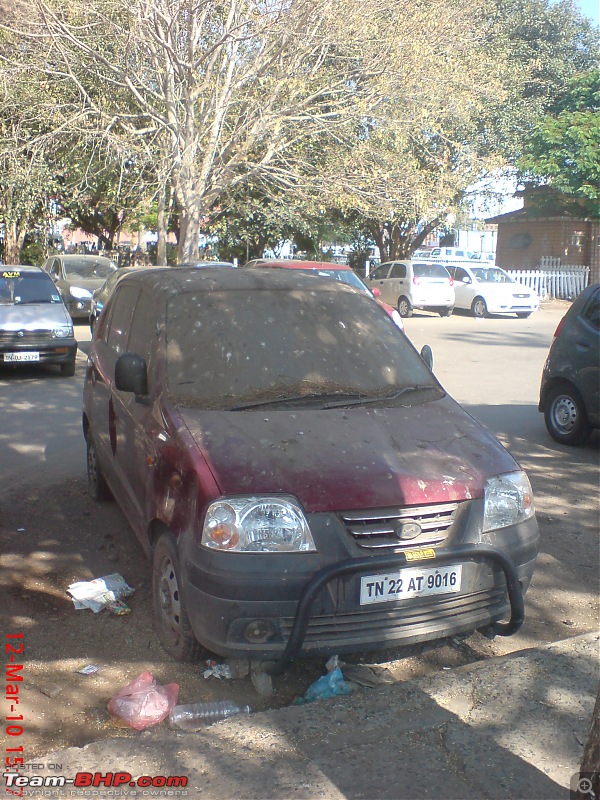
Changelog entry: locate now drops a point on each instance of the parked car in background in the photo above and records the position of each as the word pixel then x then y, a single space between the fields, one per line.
pixel 299 478
pixel 484 290
pixel 570 388
pixel 414 284
pixel 451 253
pixel 76 278
pixel 207 264
pixel 327 269
pixel 35 326
pixel 101 295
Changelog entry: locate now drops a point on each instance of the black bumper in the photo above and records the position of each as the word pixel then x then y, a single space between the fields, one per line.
pixel 468 552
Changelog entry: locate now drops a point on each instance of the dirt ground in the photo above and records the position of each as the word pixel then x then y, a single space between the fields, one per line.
pixel 51 537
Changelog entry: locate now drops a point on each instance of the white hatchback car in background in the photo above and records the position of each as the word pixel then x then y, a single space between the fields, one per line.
pixel 414 284
pixel 484 289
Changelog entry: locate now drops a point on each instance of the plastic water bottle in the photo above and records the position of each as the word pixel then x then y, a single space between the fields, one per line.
pixel 195 715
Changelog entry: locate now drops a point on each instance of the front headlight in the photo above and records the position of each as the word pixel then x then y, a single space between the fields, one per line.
pixel 80 294
pixel 257 525
pixel 64 332
pixel 508 501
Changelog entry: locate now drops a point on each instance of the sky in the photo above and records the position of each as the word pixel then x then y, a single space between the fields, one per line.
pixel 590 8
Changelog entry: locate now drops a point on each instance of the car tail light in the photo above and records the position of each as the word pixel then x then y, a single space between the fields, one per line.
pixel 451 280
pixel 416 280
pixel 559 328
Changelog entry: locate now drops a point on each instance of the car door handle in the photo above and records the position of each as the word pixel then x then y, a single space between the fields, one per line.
pixel 583 345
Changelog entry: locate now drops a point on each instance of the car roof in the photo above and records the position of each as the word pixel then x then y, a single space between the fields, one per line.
pixel 169 281
pixel 297 263
pixel 86 257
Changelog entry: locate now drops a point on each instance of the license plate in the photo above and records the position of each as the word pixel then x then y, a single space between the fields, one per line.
pixel 413 582
pixel 32 356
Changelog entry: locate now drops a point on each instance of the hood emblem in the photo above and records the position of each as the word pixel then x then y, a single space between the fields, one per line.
pixel 407 529
pixel 21 333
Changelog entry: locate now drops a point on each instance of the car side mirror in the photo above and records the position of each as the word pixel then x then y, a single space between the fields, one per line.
pixel 427 356
pixel 131 374
pixel 376 292
pixel 466 279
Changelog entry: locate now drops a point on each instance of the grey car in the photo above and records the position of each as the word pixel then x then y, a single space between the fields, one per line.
pixel 570 390
pixel 35 326
pixel 77 277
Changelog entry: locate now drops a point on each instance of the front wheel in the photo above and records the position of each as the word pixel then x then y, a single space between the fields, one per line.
pixel 97 485
pixel 524 314
pixel 565 417
pixel 404 307
pixel 172 621
pixel 67 370
pixel 445 312
pixel 479 308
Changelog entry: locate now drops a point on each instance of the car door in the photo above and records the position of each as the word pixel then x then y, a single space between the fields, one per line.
pixel 56 271
pixel 585 349
pixel 107 424
pixel 138 429
pixel 379 279
pixel 463 287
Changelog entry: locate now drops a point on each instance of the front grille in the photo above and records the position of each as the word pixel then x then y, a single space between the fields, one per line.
pixel 375 530
pixel 397 622
pixel 12 337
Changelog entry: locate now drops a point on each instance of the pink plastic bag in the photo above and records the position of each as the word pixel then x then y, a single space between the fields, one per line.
pixel 143 703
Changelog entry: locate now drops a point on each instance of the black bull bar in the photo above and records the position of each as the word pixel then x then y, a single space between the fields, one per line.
pixel 472 552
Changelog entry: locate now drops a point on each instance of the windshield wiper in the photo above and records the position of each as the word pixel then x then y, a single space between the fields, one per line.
pixel 284 399
pixel 374 398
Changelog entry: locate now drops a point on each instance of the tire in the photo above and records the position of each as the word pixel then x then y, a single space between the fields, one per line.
pixel 446 312
pixel 565 416
pixel 67 370
pixel 172 621
pixel 524 314
pixel 479 308
pixel 404 307
pixel 97 486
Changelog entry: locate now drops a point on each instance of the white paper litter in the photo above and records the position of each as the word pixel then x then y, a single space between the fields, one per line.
pixel 99 593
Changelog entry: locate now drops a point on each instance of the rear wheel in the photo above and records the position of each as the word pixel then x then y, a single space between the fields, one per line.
pixel 404 307
pixel 479 308
pixel 97 485
pixel 172 621
pixel 565 417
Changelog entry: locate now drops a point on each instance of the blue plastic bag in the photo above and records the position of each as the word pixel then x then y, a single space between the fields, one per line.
pixel 330 685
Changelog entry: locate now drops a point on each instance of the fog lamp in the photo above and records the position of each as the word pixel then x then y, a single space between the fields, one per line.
pixel 259 631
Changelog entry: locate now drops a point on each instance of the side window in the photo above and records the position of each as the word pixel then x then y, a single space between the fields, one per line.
pixel 55 268
pixel 459 274
pixel 380 273
pixel 117 331
pixel 398 271
pixel 591 313
pixel 142 334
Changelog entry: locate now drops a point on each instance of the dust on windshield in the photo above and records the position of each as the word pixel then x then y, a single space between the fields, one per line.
pixel 89 268
pixel 226 349
pixel 493 275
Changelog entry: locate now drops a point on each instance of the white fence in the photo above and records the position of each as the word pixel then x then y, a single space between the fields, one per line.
pixel 558 283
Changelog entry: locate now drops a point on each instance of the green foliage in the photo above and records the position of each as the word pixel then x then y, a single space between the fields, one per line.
pixel 564 148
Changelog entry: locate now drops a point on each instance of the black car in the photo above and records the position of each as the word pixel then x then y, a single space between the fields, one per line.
pixel 570 390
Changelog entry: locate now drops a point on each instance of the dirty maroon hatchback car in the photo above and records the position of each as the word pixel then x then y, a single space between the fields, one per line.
pixel 300 480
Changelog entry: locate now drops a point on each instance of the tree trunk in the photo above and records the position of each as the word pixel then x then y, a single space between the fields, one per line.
pixel 13 242
pixel 161 229
pixel 588 786
pixel 189 236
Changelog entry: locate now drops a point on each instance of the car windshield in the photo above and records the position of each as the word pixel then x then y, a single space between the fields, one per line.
pixel 490 275
pixel 19 288
pixel 89 267
pixel 343 275
pixel 429 271
pixel 225 349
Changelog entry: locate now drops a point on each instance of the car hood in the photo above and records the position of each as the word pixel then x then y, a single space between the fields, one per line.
pixel 86 283
pixel 33 316
pixel 351 458
pixel 505 289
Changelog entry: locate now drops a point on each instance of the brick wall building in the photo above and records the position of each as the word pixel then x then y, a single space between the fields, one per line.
pixel 530 234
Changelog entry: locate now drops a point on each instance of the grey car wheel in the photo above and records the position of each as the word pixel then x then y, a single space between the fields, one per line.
pixel 67 370
pixel 565 417
pixel 172 621
pixel 479 308
pixel 97 485
pixel 404 307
